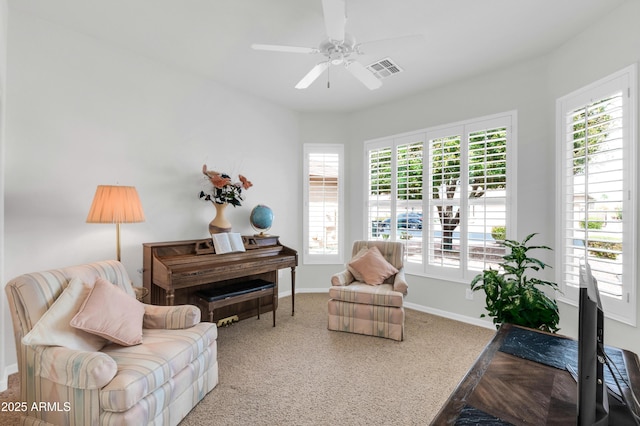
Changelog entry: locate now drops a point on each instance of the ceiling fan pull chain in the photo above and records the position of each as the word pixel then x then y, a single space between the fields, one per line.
pixel 329 78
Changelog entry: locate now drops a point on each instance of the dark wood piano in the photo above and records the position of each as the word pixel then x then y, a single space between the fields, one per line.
pixel 174 271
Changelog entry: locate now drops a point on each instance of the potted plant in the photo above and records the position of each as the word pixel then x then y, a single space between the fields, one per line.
pixel 514 297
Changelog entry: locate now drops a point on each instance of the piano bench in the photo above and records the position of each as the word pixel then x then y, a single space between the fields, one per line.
pixel 214 298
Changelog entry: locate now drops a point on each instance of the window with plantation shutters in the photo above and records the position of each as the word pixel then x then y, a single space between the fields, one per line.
pixel 379 190
pixel 395 193
pixel 408 197
pixel 445 161
pixel 323 203
pixel 444 193
pixel 468 195
pixel 487 196
pixel 597 185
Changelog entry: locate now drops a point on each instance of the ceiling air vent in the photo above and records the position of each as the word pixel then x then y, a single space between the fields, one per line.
pixel 384 68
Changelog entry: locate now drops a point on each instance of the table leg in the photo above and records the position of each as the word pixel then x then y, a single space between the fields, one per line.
pixel 259 298
pixel 170 297
pixel 293 290
pixel 275 300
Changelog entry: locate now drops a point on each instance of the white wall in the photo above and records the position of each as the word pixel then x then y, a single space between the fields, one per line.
pixel 82 113
pixel 5 323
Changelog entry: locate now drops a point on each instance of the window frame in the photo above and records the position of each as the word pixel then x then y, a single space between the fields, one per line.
pixel 325 258
pixel 506 119
pixel 625 81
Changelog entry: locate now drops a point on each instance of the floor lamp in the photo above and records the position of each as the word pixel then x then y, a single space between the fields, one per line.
pixel 116 204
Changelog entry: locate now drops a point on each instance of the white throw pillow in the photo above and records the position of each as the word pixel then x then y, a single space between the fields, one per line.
pixel 54 329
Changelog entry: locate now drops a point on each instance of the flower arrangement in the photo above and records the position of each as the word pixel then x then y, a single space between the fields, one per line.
pixel 223 190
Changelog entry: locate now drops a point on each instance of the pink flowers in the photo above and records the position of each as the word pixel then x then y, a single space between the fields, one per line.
pixel 219 181
pixel 245 183
pixel 223 190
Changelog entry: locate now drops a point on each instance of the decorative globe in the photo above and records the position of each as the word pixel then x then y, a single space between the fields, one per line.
pixel 261 218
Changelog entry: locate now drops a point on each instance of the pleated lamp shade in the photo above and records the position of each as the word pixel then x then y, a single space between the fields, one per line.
pixel 116 204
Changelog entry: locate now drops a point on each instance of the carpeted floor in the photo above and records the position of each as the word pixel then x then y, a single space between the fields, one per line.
pixel 299 373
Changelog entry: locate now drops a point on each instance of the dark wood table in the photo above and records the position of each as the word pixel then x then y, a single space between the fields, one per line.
pixel 521 379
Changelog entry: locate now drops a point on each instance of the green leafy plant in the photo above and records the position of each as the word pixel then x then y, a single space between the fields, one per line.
pixel 514 297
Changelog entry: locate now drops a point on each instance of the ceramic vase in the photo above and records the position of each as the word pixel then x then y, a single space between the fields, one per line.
pixel 220 223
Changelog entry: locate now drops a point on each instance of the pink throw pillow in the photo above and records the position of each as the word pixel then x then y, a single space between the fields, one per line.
pixel 373 267
pixel 111 313
pixel 356 275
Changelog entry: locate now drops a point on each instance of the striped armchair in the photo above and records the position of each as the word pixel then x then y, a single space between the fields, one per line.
pixel 375 310
pixel 156 382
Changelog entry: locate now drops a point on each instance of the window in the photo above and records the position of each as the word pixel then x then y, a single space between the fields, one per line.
pixel 323 203
pixel 444 192
pixel 395 203
pixel 596 138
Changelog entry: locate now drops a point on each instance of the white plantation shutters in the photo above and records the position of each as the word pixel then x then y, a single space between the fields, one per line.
pixel 408 199
pixel 596 182
pixel 469 186
pixel 444 192
pixel 445 161
pixel 394 204
pixel 379 190
pixel 487 195
pixel 323 203
pixel 594 178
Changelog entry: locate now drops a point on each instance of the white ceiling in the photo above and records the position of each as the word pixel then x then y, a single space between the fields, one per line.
pixel 213 37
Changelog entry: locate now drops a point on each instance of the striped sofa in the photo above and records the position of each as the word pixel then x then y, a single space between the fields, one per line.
pixel 157 382
pixel 375 310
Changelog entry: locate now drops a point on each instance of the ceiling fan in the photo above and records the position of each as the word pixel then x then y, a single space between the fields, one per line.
pixel 337 48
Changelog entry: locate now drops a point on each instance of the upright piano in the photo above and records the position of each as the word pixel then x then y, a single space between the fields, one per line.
pixel 174 271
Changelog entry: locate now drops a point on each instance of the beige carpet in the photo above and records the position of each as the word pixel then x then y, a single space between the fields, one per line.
pixel 299 373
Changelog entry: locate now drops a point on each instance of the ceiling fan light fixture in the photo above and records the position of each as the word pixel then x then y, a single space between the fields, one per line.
pixel 337 60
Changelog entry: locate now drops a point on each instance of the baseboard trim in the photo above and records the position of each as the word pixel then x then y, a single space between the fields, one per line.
pixel 450 315
pixel 438 312
pixel 9 370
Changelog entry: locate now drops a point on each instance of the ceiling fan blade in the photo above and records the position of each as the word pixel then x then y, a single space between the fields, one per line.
pixel 287 49
pixel 364 75
pixel 312 75
pixel 335 18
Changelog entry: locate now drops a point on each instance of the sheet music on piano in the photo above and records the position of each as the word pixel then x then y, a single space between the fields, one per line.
pixel 227 242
